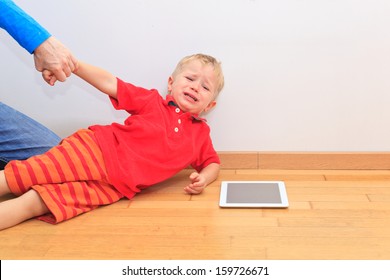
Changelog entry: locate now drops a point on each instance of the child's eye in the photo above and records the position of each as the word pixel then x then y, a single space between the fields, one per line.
pixel 189 78
pixel 206 88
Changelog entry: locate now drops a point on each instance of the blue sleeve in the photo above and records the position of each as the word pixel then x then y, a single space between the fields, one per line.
pixel 23 28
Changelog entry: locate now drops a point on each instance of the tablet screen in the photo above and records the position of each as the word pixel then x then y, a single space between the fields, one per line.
pixel 253 194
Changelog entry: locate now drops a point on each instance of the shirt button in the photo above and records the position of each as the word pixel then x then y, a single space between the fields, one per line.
pixel 179 121
pixel 177 110
pixel 176 129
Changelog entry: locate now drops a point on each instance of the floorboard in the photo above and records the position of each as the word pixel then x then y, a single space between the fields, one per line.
pixel 333 214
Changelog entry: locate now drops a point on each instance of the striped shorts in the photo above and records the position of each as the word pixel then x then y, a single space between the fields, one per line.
pixel 71 178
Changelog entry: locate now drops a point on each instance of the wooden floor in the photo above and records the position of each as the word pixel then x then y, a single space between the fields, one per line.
pixel 332 215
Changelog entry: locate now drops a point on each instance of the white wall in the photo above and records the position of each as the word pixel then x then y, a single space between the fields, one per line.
pixel 301 75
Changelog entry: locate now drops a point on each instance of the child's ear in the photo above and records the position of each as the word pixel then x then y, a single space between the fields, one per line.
pixel 210 106
pixel 170 82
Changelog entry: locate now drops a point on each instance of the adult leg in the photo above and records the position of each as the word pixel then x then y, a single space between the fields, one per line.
pixel 21 137
pixel 22 208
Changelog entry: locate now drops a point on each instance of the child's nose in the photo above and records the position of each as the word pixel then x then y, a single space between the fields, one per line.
pixel 195 86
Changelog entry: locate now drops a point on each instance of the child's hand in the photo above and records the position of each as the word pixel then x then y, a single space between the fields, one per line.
pixel 49 77
pixel 198 183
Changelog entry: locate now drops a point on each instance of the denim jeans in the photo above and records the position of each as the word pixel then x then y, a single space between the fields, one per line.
pixel 21 137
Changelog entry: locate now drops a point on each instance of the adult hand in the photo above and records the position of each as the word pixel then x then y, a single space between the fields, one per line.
pixel 53 56
pixel 49 77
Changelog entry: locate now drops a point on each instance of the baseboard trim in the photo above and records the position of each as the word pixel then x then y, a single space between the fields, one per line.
pixel 306 160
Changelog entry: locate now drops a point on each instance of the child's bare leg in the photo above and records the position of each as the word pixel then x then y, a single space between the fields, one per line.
pixel 22 208
pixel 4 189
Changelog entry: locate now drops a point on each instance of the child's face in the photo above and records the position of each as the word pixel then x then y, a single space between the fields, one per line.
pixel 194 88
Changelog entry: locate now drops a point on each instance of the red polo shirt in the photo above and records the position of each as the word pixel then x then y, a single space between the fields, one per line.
pixel 155 142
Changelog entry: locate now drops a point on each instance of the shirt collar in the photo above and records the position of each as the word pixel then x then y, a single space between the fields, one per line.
pixel 171 102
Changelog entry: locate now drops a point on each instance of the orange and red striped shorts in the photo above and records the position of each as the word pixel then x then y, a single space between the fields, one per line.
pixel 71 178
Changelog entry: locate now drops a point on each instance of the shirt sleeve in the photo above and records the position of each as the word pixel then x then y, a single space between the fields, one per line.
pixel 133 99
pixel 22 27
pixel 207 153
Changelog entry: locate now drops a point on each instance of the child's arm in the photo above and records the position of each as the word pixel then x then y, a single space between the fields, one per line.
pixel 97 77
pixel 199 181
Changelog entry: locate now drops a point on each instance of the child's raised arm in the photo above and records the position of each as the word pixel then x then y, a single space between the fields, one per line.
pixel 97 77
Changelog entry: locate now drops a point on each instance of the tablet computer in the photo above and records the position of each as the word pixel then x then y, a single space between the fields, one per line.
pixel 257 194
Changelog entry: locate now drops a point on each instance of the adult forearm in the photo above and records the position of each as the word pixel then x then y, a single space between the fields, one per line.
pixel 22 27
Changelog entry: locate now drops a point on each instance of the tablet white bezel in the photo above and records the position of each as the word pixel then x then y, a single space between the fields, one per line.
pixel 282 191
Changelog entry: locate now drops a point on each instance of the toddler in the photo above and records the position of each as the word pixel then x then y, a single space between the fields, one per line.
pixel 104 163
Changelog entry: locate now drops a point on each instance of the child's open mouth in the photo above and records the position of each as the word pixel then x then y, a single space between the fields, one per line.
pixel 191 96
